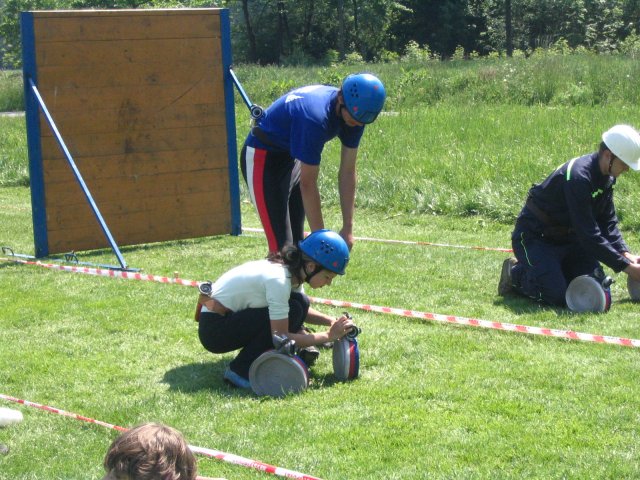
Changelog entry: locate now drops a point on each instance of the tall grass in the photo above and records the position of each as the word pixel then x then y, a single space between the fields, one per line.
pixel 546 78
pixel 14 169
pixel 11 93
pixel 543 79
pixel 457 138
pixel 468 137
pixel 456 160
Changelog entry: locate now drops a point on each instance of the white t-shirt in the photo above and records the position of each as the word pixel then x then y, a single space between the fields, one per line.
pixel 256 284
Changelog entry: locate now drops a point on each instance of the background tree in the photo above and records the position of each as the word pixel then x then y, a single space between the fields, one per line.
pixel 251 37
pixel 508 27
pixel 299 32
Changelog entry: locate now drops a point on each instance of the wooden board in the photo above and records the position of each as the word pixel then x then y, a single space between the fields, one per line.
pixel 141 99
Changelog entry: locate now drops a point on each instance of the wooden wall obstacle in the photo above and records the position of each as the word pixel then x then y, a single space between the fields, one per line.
pixel 144 102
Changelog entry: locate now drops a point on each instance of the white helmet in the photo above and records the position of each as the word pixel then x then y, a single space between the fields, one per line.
pixel 624 143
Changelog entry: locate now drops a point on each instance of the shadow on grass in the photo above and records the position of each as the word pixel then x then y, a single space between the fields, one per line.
pixel 195 377
pixel 9 263
pixel 106 253
pixel 318 382
pixel 523 305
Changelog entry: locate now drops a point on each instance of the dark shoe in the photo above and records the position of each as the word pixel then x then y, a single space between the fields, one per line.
pixel 506 285
pixel 309 355
pixel 236 380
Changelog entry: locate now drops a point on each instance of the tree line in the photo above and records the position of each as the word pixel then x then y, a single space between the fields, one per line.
pixel 305 32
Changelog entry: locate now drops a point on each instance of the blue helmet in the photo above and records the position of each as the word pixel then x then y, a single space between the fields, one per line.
pixel 327 249
pixel 364 96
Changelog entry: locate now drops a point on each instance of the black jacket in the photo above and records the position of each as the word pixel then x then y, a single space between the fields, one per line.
pixel 579 197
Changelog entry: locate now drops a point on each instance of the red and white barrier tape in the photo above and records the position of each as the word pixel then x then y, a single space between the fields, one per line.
pixel 225 457
pixel 406 242
pixel 472 322
pixel 105 272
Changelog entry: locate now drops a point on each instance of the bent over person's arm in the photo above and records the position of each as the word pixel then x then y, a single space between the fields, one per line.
pixel 347 180
pixel 338 329
pixel 311 196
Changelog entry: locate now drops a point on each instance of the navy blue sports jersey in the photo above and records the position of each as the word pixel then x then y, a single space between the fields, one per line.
pixel 302 121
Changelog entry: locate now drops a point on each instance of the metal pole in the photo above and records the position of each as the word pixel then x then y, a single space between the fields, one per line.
pixel 255 110
pixel 78 176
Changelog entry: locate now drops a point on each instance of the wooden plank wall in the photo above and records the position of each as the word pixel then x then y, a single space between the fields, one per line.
pixel 138 98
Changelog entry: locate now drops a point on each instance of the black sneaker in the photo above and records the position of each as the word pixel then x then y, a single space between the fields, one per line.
pixel 309 355
pixel 506 285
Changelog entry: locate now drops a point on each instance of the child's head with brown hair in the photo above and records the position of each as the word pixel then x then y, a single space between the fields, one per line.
pixel 150 452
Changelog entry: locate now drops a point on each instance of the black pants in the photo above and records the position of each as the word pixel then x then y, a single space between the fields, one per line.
pixel 273 180
pixel 545 269
pixel 248 330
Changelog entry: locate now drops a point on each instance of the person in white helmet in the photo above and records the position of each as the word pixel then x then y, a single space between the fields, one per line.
pixel 568 226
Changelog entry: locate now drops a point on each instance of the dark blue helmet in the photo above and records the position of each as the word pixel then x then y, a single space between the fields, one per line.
pixel 364 96
pixel 327 249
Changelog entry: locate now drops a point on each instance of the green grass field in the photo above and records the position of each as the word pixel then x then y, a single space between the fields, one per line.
pixel 433 401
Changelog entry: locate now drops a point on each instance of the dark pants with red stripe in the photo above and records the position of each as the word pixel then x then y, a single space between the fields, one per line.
pixel 273 180
pixel 248 330
pixel 545 269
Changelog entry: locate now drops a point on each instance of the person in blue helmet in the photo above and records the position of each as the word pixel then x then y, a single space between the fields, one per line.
pixel 568 225
pixel 253 303
pixel 281 156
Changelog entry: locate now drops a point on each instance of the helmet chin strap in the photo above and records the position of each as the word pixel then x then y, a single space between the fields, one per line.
pixel 309 276
pixel 611 163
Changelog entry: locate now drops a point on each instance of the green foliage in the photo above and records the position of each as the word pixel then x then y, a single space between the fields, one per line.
pixel 353 58
pixel 414 53
pixel 332 57
pixel 306 32
pixel 631 46
pixel 458 54
pixel 297 58
pixel 10 27
pixel 387 56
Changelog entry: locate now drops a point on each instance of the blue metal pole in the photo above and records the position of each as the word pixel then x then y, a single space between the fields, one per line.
pixel 255 110
pixel 243 94
pixel 234 177
pixel 78 176
pixel 32 116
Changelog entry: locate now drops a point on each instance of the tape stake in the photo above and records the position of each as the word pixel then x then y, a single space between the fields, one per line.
pixel 225 457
